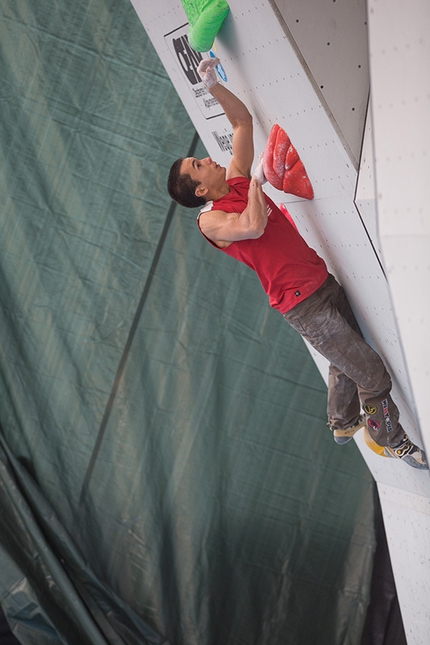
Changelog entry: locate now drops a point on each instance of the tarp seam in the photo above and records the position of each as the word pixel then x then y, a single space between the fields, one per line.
pixel 128 344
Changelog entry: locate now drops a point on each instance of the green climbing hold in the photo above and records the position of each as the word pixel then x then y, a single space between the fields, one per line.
pixel 205 18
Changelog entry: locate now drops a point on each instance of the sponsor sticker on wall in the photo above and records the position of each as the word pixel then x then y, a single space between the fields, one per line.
pixel 188 60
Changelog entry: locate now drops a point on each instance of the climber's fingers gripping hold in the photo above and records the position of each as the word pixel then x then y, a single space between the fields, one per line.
pixel 206 71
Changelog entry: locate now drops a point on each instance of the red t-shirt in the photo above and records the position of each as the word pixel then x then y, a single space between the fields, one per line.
pixel 288 269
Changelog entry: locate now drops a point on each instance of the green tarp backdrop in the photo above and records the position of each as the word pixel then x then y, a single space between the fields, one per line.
pixel 166 474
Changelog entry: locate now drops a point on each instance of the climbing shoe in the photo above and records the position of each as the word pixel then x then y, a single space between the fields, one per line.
pixel 343 436
pixel 409 453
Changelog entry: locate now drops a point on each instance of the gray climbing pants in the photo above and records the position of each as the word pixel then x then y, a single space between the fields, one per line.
pixel 357 376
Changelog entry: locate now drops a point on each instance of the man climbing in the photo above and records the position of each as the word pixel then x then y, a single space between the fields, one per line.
pixel 237 218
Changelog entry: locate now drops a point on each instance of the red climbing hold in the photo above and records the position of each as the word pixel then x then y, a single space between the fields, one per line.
pixel 282 165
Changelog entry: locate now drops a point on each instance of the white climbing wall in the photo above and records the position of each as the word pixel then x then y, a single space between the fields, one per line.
pixel 306 66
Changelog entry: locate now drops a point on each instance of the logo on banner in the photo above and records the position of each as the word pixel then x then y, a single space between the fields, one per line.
pixel 224 140
pixel 188 61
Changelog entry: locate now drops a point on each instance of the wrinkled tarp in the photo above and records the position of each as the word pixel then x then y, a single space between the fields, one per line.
pixel 166 472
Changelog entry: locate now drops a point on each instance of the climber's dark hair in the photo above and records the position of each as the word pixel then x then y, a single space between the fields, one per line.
pixel 182 188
